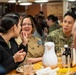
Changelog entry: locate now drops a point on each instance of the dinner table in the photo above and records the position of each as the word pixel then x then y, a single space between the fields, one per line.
pixel 17 72
pixel 73 69
pixel 14 72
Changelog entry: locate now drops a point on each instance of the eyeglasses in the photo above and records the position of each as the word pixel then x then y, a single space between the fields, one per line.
pixel 26 24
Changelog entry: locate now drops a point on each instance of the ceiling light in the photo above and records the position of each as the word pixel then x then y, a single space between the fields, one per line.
pixel 41 1
pixel 25 4
pixel 71 0
pixel 13 1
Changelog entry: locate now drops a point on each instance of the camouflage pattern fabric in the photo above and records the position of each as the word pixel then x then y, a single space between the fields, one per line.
pixel 59 39
pixel 54 27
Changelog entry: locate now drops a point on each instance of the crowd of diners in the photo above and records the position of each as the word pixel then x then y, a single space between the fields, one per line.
pixel 22 37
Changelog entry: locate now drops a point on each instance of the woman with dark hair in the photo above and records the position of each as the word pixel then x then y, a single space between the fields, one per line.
pixel 10 54
pixel 52 22
pixel 39 28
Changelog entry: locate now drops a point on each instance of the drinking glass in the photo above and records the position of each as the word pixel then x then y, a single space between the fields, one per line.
pixel 27 68
pixel 59 55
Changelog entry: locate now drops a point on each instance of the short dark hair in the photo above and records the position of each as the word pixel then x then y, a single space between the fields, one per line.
pixel 73 15
pixel 52 17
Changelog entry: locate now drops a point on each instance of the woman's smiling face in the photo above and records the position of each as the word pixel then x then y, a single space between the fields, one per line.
pixel 27 26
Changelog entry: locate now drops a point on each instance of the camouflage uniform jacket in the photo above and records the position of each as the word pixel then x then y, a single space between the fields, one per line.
pixel 59 39
pixel 54 27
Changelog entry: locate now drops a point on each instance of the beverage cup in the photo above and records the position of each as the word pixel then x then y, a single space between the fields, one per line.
pixel 27 68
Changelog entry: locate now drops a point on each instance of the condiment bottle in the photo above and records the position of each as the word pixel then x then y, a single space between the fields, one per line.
pixel 66 57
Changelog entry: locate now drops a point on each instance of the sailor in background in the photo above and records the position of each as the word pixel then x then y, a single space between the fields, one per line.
pixel 63 35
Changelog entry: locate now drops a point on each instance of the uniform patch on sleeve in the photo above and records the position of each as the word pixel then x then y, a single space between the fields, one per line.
pixel 39 42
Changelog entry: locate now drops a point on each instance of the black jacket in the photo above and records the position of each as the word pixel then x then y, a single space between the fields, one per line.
pixel 6 54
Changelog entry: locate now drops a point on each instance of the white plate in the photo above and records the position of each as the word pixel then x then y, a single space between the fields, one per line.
pixel 19 69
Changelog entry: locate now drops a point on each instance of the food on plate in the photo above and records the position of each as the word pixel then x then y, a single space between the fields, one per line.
pixel 37 66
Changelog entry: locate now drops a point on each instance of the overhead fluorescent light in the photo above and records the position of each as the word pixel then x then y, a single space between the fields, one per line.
pixel 71 0
pixel 13 1
pixel 25 4
pixel 41 1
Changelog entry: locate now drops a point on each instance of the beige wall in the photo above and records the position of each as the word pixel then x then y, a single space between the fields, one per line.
pixel 55 8
pixel 33 9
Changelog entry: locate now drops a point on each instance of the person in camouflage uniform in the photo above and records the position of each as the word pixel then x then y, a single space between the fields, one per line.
pixel 54 27
pixel 59 38
pixel 52 22
pixel 63 35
